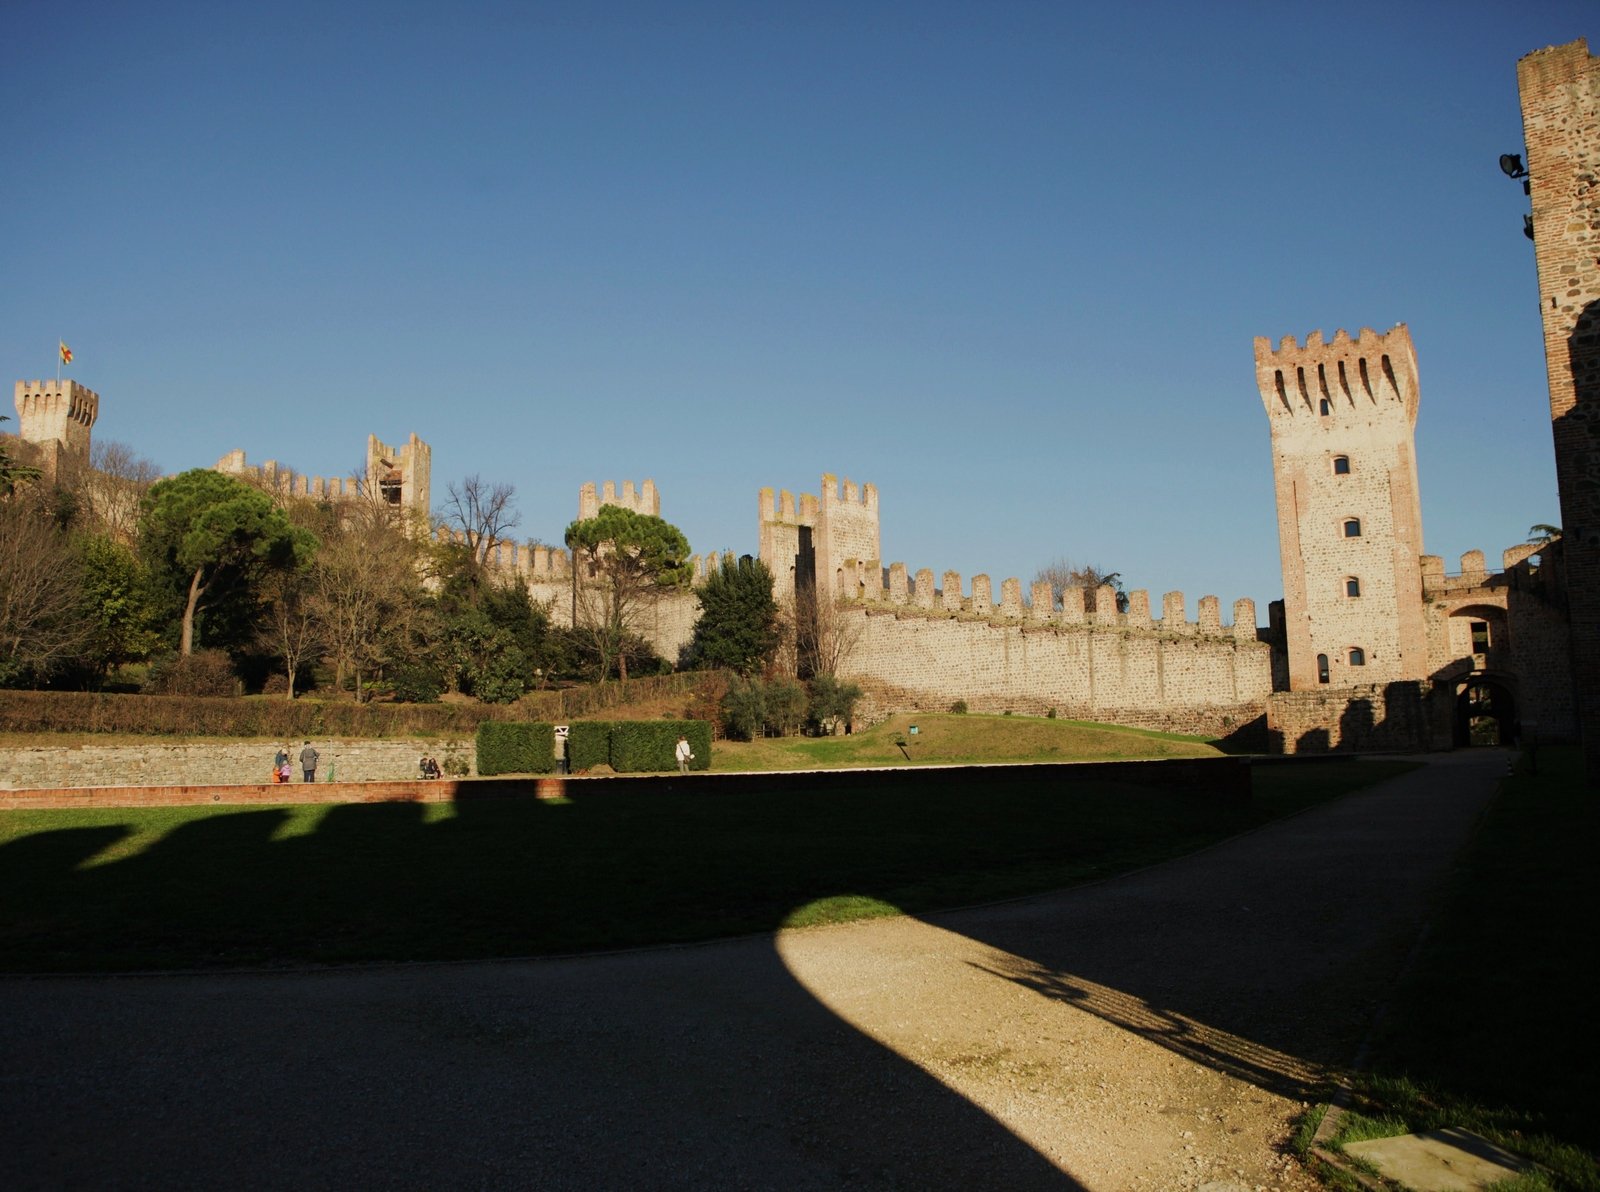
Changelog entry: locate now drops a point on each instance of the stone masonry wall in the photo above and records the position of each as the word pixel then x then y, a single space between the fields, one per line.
pixel 219 763
pixel 1560 90
pixel 1121 668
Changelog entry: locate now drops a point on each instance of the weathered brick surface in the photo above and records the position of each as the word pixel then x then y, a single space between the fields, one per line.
pixel 1560 91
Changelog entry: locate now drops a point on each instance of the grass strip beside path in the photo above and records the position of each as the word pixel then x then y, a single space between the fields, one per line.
pixel 1494 1028
pixel 127 889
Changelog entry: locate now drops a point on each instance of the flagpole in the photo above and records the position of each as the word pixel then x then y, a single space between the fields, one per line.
pixel 59 342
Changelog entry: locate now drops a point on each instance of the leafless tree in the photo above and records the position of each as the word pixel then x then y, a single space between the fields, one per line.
pixel 483 512
pixel 290 626
pixel 824 635
pixel 40 589
pixel 366 592
pixel 112 486
pixel 1062 573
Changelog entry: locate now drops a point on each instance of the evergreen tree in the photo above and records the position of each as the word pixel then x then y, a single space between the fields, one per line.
pixel 738 625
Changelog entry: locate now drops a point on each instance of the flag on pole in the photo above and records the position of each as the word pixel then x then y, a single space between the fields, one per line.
pixel 66 353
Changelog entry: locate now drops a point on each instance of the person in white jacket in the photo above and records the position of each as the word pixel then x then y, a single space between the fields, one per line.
pixel 684 754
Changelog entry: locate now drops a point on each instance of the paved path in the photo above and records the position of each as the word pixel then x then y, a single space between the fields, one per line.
pixel 1157 1031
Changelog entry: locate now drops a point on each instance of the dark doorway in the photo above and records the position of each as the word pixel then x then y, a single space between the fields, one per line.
pixel 1486 714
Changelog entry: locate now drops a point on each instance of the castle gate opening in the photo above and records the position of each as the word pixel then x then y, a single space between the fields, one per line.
pixel 1486 712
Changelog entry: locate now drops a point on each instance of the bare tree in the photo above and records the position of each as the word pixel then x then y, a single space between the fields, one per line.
pixel 483 512
pixel 40 589
pixel 366 591
pixel 1062 573
pixel 290 626
pixel 113 485
pixel 824 635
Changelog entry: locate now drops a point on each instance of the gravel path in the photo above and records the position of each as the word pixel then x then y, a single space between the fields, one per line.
pixel 1158 1031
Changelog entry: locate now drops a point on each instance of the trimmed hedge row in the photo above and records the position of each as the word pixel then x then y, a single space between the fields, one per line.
pixel 636 746
pixel 516 748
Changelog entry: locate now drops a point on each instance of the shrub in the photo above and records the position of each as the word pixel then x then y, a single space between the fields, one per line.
pixel 959 707
pixel 1051 714
pixel 744 709
pixel 509 747
pixel 205 672
pixel 419 683
pixel 786 706
pixel 455 765
pixel 645 745
pixel 588 745
pixel 830 702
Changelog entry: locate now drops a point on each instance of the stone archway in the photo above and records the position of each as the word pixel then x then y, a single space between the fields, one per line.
pixel 1485 713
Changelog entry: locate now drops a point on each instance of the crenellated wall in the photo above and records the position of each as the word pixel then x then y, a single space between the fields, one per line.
pixel 57 418
pixel 645 500
pixel 914 645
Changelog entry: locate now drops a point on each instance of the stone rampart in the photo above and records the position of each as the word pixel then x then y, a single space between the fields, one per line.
pixel 1120 668
pixel 212 763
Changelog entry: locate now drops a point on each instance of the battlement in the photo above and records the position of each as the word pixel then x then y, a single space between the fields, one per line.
pixel 1475 573
pixel 782 508
pixel 1320 379
pixel 866 496
pixel 862 582
pixel 56 411
pixel 1555 66
pixel 284 482
pixel 646 500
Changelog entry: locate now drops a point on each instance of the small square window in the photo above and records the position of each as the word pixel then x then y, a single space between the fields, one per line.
pixel 1341 465
pixel 1358 656
pixel 1480 637
pixel 1352 586
pixel 1324 407
pixel 1352 527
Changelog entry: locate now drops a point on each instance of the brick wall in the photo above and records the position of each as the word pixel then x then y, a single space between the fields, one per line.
pixel 1389 717
pixel 1560 90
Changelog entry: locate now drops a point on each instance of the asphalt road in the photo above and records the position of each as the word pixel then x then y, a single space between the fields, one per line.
pixel 1155 1031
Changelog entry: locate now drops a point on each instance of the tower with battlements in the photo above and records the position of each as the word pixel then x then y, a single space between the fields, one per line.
pixel 401 478
pixel 1343 418
pixel 56 417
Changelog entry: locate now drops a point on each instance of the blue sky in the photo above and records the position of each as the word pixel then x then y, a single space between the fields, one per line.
pixel 1004 261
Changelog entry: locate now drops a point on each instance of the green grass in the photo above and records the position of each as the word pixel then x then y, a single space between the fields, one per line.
pixel 112 889
pixel 1493 1030
pixel 945 739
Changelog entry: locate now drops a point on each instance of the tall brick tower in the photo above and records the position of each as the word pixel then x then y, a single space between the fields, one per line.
pixel 57 417
pixel 1343 416
pixel 1560 89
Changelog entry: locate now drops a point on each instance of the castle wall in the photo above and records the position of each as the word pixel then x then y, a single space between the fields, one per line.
pixel 57 418
pixel 1560 91
pixel 1168 673
pixel 1388 717
pixel 847 527
pixel 646 500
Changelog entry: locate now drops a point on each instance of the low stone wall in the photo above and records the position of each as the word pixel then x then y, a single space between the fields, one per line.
pixel 1222 779
pixel 212 763
pixel 1390 717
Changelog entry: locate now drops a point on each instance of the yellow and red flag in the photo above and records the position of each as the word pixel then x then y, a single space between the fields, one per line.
pixel 66 353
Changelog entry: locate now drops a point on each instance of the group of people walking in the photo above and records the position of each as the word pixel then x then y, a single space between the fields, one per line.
pixel 308 764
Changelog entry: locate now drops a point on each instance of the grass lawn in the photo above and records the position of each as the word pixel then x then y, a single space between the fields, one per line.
pixel 202 886
pixel 1494 1030
pixel 945 739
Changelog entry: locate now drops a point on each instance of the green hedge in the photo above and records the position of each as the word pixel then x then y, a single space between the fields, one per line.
pixel 516 748
pixel 588 745
pixel 644 745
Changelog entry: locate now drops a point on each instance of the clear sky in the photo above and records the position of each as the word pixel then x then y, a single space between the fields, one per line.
pixel 1003 260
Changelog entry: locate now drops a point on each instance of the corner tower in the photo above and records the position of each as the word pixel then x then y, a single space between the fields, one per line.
pixel 1343 418
pixel 57 417
pixel 401 479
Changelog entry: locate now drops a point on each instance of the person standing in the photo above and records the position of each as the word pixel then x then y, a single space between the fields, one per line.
pixel 280 764
pixel 308 762
pixel 683 753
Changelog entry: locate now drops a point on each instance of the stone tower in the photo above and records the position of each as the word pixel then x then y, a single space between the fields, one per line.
pixel 401 478
pixel 56 417
pixel 1343 416
pixel 1560 89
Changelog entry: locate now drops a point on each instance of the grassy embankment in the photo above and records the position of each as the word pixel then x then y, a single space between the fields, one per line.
pixel 1493 1029
pixel 203 886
